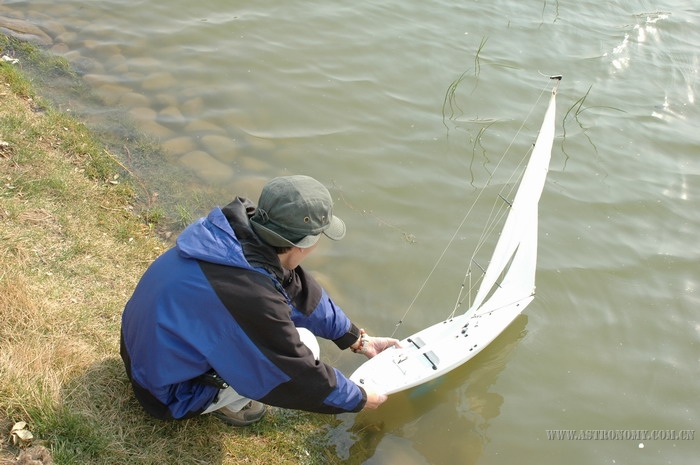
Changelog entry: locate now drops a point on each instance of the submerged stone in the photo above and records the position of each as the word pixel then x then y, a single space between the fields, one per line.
pixel 134 99
pixel 207 167
pixel 171 116
pixel 178 145
pixel 111 94
pixel 222 147
pixel 158 81
pixel 200 125
pixel 25 31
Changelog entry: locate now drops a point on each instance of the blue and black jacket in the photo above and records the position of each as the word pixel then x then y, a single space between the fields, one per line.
pixel 220 300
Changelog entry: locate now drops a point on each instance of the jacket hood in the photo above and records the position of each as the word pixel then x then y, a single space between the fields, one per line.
pixel 211 239
pixel 225 237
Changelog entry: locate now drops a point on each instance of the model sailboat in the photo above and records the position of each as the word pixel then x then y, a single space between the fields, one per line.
pixel 436 350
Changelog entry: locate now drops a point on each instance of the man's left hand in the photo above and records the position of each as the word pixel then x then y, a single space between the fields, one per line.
pixel 378 344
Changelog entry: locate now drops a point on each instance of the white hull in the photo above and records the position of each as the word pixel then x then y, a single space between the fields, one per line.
pixel 434 351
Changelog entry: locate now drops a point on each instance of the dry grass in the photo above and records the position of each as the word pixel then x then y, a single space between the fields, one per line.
pixel 71 251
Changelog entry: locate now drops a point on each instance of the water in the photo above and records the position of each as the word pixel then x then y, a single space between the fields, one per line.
pixel 357 94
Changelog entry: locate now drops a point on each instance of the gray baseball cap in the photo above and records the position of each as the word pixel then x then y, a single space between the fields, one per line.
pixel 293 211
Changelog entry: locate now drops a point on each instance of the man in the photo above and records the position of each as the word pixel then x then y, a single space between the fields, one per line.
pixel 216 323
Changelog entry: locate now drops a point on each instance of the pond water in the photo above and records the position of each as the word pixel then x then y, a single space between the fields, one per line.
pixel 403 109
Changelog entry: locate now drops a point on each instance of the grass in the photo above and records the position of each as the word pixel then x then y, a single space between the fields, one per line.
pixel 72 250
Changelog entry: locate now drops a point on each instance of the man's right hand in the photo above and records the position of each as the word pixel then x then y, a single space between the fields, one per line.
pixel 374 399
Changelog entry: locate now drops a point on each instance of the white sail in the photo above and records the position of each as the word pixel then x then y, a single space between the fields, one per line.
pixel 438 349
pixel 518 242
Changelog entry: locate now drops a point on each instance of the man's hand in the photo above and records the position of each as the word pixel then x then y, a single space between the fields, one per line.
pixel 374 399
pixel 374 345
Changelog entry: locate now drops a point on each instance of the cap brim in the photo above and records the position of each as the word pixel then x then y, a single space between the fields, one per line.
pixel 335 231
pixel 270 236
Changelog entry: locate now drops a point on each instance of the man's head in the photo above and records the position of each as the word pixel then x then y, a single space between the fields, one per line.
pixel 293 211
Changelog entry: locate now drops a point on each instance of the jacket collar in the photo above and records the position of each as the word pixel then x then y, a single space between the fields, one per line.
pixel 256 252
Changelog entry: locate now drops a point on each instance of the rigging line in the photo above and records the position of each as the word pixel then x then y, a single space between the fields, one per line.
pixel 509 184
pixel 488 230
pixel 502 307
pixel 495 218
pixel 496 215
pixel 499 209
pixel 464 219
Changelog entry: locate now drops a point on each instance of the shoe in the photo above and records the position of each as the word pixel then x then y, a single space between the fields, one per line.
pixel 252 412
